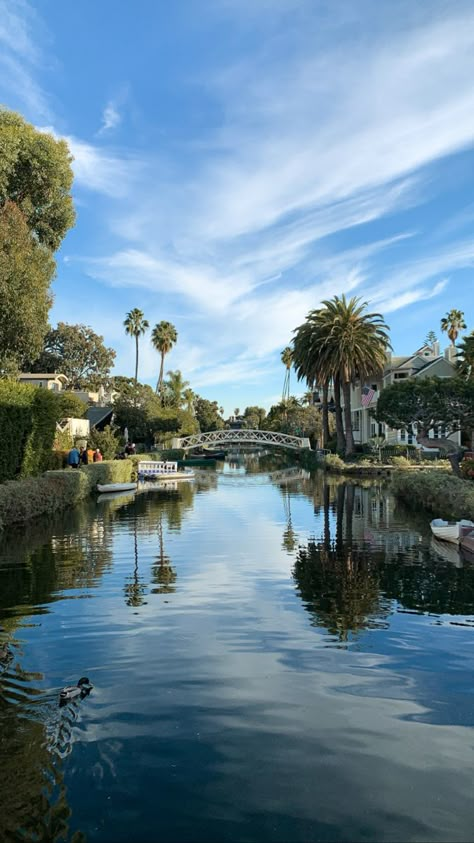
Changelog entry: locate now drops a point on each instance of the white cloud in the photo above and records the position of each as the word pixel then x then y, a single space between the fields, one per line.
pixel 111 118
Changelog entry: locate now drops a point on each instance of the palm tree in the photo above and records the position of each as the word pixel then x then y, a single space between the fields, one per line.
pixel 163 337
pixel 189 397
pixel 348 344
pixel 309 365
pixel 287 360
pixel 176 387
pixel 135 325
pixel 465 355
pixel 452 323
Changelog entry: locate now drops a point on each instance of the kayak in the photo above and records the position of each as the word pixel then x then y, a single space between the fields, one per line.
pixel 116 487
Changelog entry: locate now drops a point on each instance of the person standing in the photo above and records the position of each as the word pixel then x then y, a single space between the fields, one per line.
pixel 90 454
pixel 97 455
pixel 73 458
pixel 84 458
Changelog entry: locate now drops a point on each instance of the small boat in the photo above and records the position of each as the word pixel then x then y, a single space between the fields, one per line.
pixel 71 692
pixel 208 454
pixel 451 531
pixel 448 551
pixel 116 487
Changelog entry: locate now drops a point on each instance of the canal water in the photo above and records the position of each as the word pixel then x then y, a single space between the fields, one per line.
pixel 275 657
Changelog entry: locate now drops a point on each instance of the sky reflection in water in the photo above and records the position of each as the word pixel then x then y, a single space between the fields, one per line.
pixel 274 657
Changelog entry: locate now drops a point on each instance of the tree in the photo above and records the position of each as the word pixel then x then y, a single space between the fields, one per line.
pixel 452 323
pixel 207 414
pixel 70 406
pixel 287 360
pixel 163 337
pixel 237 412
pixel 36 174
pixel 135 325
pixel 309 365
pixel 465 355
pixel 77 352
pixel 431 338
pixel 107 440
pixel 189 397
pixel 254 417
pixel 174 389
pixel 345 343
pixel 428 403
pixel 135 408
pixel 26 271
pixel 290 417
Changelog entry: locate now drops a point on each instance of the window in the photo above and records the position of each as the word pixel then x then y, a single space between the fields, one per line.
pixel 399 375
pixel 403 435
pixel 373 431
pixel 356 421
pixel 374 387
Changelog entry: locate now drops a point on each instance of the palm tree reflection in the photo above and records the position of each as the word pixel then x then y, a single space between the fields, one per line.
pixel 135 587
pixel 163 573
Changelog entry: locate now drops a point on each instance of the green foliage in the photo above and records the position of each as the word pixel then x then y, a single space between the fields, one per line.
pixel 333 462
pixel 26 271
pixel 467 468
pixel 21 500
pixel 465 355
pixel 28 424
pixel 77 352
pixel 36 174
pixel 452 323
pixel 439 492
pixel 135 408
pixel 163 338
pixel 207 415
pixel 428 402
pixel 135 325
pixel 254 417
pixel 290 417
pixel 106 440
pixel 71 407
pixel 400 462
pixel 173 389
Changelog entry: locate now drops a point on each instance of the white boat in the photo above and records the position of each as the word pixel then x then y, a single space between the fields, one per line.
pixel 117 487
pixel 467 544
pixel 448 551
pixel 451 531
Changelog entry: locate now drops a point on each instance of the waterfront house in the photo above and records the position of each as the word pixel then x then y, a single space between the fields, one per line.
pixel 52 380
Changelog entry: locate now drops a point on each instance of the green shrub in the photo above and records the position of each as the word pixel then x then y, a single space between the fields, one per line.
pixel 28 418
pixel 437 491
pixel 467 468
pixel 400 462
pixel 21 500
pixel 333 462
pixel 106 440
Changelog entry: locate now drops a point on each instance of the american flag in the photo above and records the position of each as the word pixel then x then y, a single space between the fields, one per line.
pixel 367 395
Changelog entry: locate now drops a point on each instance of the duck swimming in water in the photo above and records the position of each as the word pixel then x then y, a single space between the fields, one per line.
pixel 82 689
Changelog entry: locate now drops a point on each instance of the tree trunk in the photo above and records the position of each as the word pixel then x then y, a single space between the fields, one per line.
pixel 341 439
pixel 346 391
pixel 136 359
pixel 325 415
pixel 160 377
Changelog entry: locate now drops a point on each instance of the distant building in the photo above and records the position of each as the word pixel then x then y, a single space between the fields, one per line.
pixel 54 382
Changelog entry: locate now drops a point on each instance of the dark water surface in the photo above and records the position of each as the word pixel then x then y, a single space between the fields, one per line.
pixel 274 658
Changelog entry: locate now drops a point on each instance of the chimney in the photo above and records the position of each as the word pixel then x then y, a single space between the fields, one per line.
pixel 450 354
pixel 436 348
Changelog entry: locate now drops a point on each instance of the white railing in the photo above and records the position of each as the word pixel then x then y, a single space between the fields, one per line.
pixel 150 468
pixel 232 437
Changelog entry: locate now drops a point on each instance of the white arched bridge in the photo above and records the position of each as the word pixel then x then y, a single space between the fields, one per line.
pixel 238 437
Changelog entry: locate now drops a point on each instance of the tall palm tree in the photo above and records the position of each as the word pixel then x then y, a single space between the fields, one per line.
pixel 452 323
pixel 308 363
pixel 135 325
pixel 349 344
pixel 189 397
pixel 287 360
pixel 465 355
pixel 163 337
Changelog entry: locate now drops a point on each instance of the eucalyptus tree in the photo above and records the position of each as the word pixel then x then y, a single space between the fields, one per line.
pixel 452 324
pixel 135 325
pixel 163 337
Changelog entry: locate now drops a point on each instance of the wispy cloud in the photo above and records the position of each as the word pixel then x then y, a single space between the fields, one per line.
pixel 21 57
pixel 110 118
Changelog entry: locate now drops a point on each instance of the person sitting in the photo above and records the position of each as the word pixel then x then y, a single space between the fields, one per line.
pixel 97 455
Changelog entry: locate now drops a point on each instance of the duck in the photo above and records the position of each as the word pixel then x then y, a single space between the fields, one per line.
pixel 70 692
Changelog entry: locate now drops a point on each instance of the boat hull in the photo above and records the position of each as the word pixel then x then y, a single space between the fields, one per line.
pixel 450 532
pixel 105 488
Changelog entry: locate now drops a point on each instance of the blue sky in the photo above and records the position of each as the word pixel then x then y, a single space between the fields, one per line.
pixel 238 160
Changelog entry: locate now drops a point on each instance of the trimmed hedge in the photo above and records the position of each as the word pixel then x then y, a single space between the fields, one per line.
pixel 439 492
pixel 28 418
pixel 21 500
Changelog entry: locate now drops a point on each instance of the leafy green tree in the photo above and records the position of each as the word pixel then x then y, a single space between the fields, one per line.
pixel 163 337
pixel 107 440
pixel 77 352
pixel 254 417
pixel 135 408
pixel 465 355
pixel 26 271
pixel 135 325
pixel 287 360
pixel 311 366
pixel 207 415
pixel 430 338
pixel 452 324
pixel 189 398
pixel 70 406
pixel 343 342
pixel 36 174
pixel 428 403
pixel 290 417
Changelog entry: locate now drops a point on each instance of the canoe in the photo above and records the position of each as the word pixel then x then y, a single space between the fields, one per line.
pixel 451 531
pixel 117 487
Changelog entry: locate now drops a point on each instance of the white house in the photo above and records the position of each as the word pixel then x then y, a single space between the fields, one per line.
pixel 427 362
pixel 51 380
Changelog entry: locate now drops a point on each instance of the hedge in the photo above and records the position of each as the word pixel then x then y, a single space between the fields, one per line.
pixel 30 497
pixel 439 492
pixel 28 425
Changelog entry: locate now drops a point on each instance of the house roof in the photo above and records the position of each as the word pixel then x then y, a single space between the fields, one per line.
pixel 96 415
pixel 42 376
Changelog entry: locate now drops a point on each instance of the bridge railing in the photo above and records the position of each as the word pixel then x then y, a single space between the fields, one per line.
pixel 228 437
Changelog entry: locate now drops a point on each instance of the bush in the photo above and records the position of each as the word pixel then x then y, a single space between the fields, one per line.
pixel 106 440
pixel 467 468
pixel 400 462
pixel 438 491
pixel 21 500
pixel 333 462
pixel 28 418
